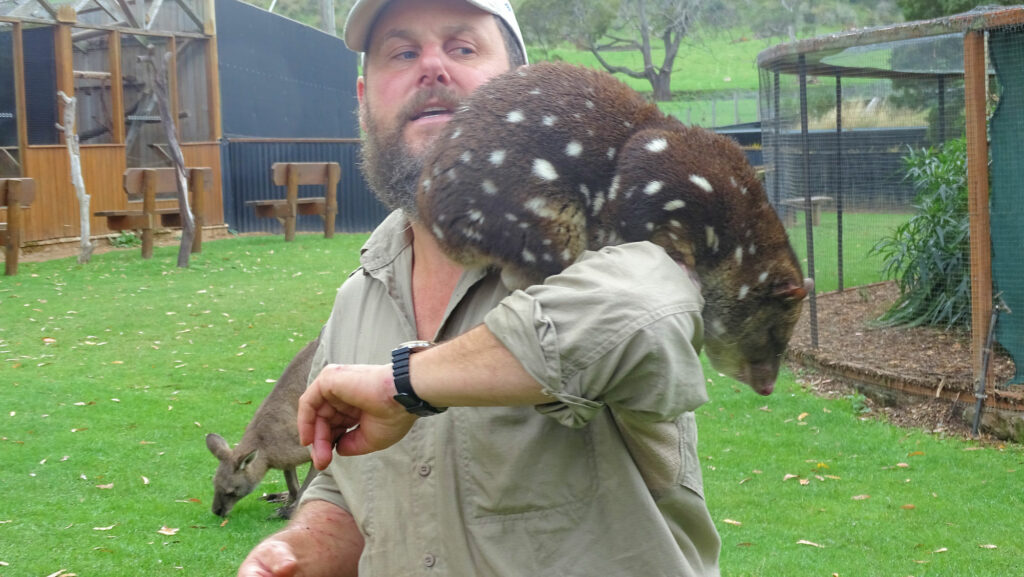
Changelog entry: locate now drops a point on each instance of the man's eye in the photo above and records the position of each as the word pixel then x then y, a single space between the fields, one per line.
pixel 406 55
pixel 463 51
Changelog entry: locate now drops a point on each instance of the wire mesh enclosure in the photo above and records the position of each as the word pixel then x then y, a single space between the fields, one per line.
pixel 876 156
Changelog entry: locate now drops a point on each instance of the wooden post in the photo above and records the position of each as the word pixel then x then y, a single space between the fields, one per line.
pixel 331 194
pixel 292 199
pixel 975 79
pixel 149 185
pixel 17 193
pixel 197 185
pixel 116 88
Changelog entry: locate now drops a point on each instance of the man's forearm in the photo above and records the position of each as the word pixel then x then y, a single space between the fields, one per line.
pixel 321 540
pixel 474 369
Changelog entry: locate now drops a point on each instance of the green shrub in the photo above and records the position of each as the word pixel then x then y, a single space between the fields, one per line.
pixel 126 239
pixel 928 256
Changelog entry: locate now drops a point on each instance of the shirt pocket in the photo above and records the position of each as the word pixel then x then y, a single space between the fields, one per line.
pixel 517 462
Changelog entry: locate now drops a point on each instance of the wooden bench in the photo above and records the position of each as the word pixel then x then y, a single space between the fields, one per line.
pixel 796 203
pixel 292 175
pixel 148 185
pixel 15 194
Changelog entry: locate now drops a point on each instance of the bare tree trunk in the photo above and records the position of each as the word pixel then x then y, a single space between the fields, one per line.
pixel 71 139
pixel 158 72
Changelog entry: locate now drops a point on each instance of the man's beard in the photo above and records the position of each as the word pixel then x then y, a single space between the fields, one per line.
pixel 390 167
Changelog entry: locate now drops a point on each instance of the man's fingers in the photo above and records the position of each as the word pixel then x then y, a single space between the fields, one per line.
pixel 323 444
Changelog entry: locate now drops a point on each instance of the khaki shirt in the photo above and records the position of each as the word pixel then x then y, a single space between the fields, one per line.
pixel 603 481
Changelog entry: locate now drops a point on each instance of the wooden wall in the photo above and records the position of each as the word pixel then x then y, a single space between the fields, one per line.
pixel 54 214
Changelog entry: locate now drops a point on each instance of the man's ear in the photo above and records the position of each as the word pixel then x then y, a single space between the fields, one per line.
pixel 361 95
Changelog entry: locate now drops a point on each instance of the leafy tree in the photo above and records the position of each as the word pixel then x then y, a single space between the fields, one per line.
pixel 615 25
pixel 922 9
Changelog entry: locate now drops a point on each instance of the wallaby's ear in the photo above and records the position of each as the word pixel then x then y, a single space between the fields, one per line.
pixel 247 460
pixel 218 446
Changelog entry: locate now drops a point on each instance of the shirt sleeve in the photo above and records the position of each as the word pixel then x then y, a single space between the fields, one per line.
pixel 620 327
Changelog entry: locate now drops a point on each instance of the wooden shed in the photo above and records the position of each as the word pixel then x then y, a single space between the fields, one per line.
pixel 90 49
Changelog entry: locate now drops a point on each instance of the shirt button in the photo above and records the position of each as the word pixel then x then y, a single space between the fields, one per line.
pixel 424 470
pixel 429 560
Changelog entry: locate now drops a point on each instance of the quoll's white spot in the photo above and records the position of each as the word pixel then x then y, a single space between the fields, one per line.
pixel 438 232
pixel 528 256
pixel 752 249
pixel 744 290
pixel 515 117
pixel 589 104
pixel 457 133
pixel 712 237
pixel 762 277
pixel 613 190
pixel 650 227
pixel 657 145
pixel 675 223
pixel 426 185
pixel 472 234
pixel 544 170
pixel 539 206
pixel 573 149
pixel 497 157
pixel 549 120
pixel 566 255
pixel 675 205
pixel 718 327
pixel 653 187
pixel 598 204
pixel 739 255
pixel 475 216
pixel 732 181
pixel 585 192
pixel 535 92
pixel 627 124
pixel 611 153
pixel 511 217
pixel 451 175
pixel 466 157
pixel 489 187
pixel 701 182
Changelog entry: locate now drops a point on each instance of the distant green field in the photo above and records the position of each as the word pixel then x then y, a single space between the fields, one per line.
pixel 713 69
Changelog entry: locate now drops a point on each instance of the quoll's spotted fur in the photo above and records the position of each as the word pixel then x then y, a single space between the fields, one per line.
pixel 549 160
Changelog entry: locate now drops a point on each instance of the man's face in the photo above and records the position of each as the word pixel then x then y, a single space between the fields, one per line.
pixel 423 59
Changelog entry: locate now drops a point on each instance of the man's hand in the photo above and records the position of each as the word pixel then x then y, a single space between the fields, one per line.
pixel 351 407
pixel 271 558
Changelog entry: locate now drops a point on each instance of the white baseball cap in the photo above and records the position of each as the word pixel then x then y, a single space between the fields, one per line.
pixel 364 14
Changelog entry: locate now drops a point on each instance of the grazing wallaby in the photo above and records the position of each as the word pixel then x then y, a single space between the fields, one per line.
pixel 270 441
pixel 549 160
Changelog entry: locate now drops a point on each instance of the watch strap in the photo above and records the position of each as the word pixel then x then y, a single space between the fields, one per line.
pixel 404 393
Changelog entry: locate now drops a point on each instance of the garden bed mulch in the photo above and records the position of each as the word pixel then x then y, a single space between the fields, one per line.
pixel 921 370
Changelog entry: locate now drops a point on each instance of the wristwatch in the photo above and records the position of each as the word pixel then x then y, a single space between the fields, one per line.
pixel 404 395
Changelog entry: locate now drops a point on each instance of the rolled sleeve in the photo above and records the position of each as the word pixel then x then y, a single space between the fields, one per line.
pixel 621 327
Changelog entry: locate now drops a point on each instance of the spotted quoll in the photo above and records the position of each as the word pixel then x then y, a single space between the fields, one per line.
pixel 549 160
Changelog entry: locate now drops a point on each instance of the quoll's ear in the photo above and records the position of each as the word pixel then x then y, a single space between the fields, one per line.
pixel 792 292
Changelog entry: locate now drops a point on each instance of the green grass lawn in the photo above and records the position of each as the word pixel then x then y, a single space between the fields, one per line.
pixel 112 373
pixel 861 231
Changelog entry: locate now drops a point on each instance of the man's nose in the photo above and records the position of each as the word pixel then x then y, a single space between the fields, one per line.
pixel 434 68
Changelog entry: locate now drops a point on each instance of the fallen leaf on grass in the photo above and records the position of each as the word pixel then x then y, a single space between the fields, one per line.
pixel 736 523
pixel 940 550
pixel 224 522
pixel 165 530
pixel 987 546
pixel 789 476
pixel 145 480
pixel 915 454
pixel 805 542
pixel 908 506
pixel 802 416
pixel 860 497
pixel 805 481
pixel 107 486
pixel 104 528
